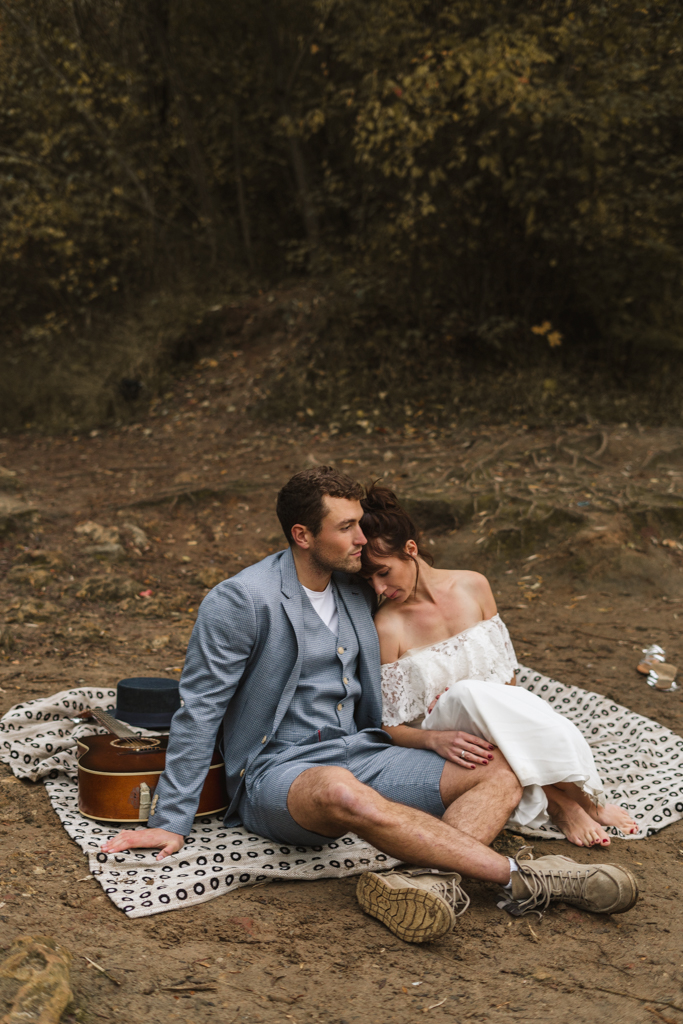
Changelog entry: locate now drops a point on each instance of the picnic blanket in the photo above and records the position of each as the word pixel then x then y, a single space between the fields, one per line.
pixel 639 761
pixel 38 741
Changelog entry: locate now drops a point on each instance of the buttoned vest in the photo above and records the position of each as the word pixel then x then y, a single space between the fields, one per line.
pixel 328 686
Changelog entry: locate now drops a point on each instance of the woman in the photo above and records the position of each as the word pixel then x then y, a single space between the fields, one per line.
pixel 446 655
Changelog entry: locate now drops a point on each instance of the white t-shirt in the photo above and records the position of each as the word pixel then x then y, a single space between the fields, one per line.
pixel 325 605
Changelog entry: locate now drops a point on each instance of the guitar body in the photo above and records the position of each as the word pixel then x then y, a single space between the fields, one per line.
pixel 117 782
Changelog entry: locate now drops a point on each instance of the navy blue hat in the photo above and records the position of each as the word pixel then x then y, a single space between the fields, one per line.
pixel 147 702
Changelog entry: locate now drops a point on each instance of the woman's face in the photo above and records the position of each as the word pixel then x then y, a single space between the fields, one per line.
pixel 395 577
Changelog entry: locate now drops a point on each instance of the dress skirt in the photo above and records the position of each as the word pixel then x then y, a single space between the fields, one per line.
pixel 540 745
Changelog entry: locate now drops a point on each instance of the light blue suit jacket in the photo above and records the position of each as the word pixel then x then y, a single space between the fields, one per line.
pixel 242 668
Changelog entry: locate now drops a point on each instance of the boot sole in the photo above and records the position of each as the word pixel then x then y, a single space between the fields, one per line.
pixel 412 914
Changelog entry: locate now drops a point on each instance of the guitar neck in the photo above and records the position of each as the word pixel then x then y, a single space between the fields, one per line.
pixel 113 725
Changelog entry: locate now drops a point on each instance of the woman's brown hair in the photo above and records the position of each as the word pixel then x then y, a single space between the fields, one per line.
pixel 387 528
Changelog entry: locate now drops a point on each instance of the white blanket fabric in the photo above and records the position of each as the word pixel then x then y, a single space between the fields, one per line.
pixel 38 741
pixel 639 761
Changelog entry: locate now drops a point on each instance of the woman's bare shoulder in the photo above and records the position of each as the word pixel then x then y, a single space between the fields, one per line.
pixel 389 626
pixel 476 586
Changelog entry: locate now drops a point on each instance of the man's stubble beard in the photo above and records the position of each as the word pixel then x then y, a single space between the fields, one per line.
pixel 349 564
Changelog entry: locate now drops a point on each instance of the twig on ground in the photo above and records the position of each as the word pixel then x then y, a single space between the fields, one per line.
pixel 604 963
pixel 187 987
pixel 579 455
pixel 629 995
pixel 101 970
pixel 487 458
pixel 603 445
pixel 426 1009
pixel 657 1013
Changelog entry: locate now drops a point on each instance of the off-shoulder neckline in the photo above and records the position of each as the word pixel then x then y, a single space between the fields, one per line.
pixel 414 650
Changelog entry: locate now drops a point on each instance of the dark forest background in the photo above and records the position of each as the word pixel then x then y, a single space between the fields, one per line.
pixel 481 201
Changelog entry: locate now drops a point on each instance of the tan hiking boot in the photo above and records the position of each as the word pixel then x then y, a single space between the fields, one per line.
pixel 417 905
pixel 599 888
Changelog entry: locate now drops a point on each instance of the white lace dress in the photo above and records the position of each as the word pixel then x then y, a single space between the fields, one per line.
pixel 470 671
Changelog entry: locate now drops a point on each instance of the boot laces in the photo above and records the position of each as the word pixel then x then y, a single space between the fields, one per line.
pixel 453 894
pixel 551 884
pixel 447 887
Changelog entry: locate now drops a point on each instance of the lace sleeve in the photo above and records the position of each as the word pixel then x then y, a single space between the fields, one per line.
pixel 509 649
pixel 400 703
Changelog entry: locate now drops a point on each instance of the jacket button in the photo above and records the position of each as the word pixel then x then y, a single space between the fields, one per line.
pixel 242 772
pixel 340 650
pixel 345 680
pixel 340 707
pixel 264 739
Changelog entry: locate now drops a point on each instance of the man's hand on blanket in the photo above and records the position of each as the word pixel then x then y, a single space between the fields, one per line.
pixel 460 747
pixel 145 839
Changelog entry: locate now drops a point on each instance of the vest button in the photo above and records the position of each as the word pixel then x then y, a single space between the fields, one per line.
pixel 242 772
pixel 340 707
pixel 345 680
pixel 264 739
pixel 340 650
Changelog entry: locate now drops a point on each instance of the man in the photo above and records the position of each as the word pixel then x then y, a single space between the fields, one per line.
pixel 285 655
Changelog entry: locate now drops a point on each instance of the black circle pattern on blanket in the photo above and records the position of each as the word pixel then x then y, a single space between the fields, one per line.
pixel 214 860
pixel 639 761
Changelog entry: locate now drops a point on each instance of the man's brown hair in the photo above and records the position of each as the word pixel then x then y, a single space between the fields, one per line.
pixel 301 499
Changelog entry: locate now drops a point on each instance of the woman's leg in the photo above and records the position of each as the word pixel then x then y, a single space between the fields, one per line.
pixel 571 818
pixel 609 814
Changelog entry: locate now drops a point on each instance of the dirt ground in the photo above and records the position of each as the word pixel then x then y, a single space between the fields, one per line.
pixel 579 531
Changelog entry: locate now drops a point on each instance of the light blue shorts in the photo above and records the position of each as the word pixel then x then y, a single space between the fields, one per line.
pixel 401 774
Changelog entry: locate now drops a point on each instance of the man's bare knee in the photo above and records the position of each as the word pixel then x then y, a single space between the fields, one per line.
pixel 504 774
pixel 333 795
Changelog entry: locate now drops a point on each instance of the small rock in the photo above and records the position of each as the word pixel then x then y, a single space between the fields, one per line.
pixel 33 611
pixel 185 477
pixel 246 929
pixel 107 588
pixel 8 479
pixel 15 513
pixel 388 456
pixel 159 642
pixel 152 607
pixel 97 533
pixel 108 552
pixel 27 575
pixel 137 535
pixel 211 576
pixel 87 633
pixel 41 556
pixel 35 980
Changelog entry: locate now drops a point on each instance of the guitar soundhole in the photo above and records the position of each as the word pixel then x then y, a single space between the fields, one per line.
pixel 136 743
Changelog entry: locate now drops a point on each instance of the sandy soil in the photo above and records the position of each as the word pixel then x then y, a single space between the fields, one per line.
pixel 571 528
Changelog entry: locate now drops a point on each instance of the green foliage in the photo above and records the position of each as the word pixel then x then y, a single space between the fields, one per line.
pixel 461 171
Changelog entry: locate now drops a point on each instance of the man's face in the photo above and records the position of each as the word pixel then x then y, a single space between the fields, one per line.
pixel 338 545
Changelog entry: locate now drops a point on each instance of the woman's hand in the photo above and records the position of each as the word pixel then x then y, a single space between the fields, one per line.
pixel 433 704
pixel 460 747
pixel 144 839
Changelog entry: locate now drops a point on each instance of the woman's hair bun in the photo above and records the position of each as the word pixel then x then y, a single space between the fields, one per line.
pixel 380 498
pixel 387 527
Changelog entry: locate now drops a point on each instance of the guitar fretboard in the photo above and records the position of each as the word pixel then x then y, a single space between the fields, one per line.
pixel 113 725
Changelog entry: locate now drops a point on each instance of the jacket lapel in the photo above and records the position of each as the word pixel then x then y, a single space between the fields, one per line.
pixel 291 603
pixel 369 710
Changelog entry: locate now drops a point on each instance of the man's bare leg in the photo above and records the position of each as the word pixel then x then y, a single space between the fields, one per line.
pixel 479 801
pixel 330 801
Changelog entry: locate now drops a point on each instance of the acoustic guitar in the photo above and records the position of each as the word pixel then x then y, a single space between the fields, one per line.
pixel 118 773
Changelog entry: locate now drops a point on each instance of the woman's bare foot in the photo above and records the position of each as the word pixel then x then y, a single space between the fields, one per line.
pixel 578 826
pixel 611 814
